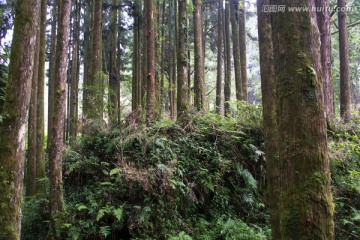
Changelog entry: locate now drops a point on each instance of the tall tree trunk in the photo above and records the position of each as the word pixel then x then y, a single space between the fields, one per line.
pixel 227 86
pixel 199 80
pixel 162 61
pixel 242 44
pixel 86 57
pixel 150 16
pixel 267 72
pixel 96 84
pixel 182 84
pixel 113 76
pixel 323 18
pixel 305 203
pixel 219 57
pixel 51 95
pixel 345 87
pixel 234 6
pixel 40 154
pixel 15 112
pixel 31 156
pixel 74 75
pixel 136 58
pixel 57 142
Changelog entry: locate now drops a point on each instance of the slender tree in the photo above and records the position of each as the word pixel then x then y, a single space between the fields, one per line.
pixel 150 16
pixel 345 87
pixel 74 85
pixel 136 58
pixel 305 205
pixel 323 18
pixel 199 80
pixel 15 112
pixel 242 44
pixel 113 76
pixel 31 156
pixel 40 153
pixel 96 82
pixel 56 144
pixel 234 6
pixel 51 95
pixel 182 81
pixel 267 72
pixel 227 86
pixel 219 56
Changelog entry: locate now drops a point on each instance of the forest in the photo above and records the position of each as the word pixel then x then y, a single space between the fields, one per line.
pixel 179 119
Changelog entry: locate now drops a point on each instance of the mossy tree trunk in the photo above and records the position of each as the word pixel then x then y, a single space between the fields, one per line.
pixel 268 92
pixel 136 58
pixel 31 153
pixel 242 43
pixel 199 80
pixel 234 12
pixel 114 76
pixel 345 86
pixel 40 124
pixel 219 57
pixel 51 95
pixel 227 54
pixel 56 145
pixel 305 205
pixel 182 66
pixel 323 18
pixel 95 86
pixel 150 16
pixel 74 85
pixel 15 112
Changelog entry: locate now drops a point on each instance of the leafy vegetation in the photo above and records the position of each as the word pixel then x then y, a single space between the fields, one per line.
pixel 202 180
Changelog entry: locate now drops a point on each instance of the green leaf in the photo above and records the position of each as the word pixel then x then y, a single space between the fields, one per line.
pixel 118 213
pixel 115 171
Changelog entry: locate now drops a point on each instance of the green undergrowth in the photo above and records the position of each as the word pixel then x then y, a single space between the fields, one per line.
pixel 200 180
pixel 203 179
pixel 344 152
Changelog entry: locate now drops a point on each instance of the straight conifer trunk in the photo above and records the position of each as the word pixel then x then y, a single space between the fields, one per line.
pixel 15 112
pixel 234 6
pixel 227 86
pixel 345 86
pixel 57 142
pixel 199 80
pixel 182 71
pixel 305 205
pixel 268 92
pixel 219 57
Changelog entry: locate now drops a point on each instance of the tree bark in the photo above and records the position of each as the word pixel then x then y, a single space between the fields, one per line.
pixel 31 156
pixel 345 86
pixel 96 84
pixel 51 95
pixel 15 112
pixel 242 46
pixel 305 205
pixel 150 16
pixel 40 154
pixel 227 86
pixel 57 142
pixel 234 11
pixel 267 72
pixel 199 80
pixel 182 84
pixel 136 59
pixel 74 89
pixel 323 18
pixel 219 57
pixel 113 76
